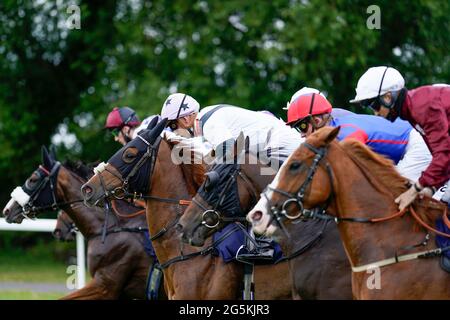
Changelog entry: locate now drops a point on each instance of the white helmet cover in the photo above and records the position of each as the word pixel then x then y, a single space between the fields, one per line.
pixel 178 105
pixel 301 92
pixel 377 81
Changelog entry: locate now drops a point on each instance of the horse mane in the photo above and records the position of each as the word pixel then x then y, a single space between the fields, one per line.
pixel 380 170
pixel 194 173
pixel 375 167
pixel 79 168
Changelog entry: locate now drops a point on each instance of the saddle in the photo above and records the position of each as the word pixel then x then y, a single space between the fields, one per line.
pixel 445 263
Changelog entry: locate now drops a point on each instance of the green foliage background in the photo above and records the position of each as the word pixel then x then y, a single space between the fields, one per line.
pixel 253 54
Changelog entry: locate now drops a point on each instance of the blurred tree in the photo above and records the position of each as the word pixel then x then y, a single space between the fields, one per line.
pixel 247 53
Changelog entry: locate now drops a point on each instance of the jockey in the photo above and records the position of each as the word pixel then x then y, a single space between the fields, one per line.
pixel 180 109
pixel 124 124
pixel 336 112
pixel 427 109
pixel 397 141
pixel 218 123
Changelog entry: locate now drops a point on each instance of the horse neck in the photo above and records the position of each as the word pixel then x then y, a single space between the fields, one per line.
pixel 358 196
pixel 168 181
pixel 87 220
pixel 257 180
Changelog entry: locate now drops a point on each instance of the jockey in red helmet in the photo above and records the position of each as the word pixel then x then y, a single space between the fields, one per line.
pixel 122 122
pixel 309 112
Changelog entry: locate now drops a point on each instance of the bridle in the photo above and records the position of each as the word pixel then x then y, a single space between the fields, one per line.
pixel 70 226
pixel 320 213
pixel 214 213
pixel 123 192
pixel 298 197
pixel 49 179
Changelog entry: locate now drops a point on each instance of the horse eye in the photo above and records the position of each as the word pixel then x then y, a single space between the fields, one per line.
pixel 295 166
pixel 128 157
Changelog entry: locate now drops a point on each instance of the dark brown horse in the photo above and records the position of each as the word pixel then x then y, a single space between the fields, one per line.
pixel 391 252
pixel 119 266
pixel 65 229
pixel 318 265
pixel 189 272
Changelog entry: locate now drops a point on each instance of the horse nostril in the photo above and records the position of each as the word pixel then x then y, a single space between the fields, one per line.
pixel 257 215
pixel 5 212
pixel 86 190
pixel 179 227
pixel 57 234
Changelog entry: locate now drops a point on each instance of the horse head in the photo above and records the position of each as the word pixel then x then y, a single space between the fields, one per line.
pixel 125 170
pixel 65 229
pixel 227 193
pixel 38 191
pixel 303 183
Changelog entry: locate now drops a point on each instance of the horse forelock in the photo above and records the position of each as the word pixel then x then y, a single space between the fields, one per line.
pixel 80 169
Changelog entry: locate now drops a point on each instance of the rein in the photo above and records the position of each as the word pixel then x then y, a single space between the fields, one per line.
pixel 126 216
pixel 320 153
pixel 215 212
pixel 320 213
pixel 118 230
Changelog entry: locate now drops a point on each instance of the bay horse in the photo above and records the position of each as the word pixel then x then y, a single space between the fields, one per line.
pixel 119 266
pixel 391 253
pixel 65 229
pixel 189 272
pixel 318 266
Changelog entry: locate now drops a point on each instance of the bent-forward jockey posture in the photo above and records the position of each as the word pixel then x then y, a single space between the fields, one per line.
pixel 180 109
pixel 427 109
pixel 222 122
pixel 397 141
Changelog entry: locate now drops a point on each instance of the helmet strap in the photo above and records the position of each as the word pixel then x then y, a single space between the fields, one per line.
pixel 181 106
pixel 398 97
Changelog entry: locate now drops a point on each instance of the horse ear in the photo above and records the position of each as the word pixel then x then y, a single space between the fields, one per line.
pixel 239 144
pixel 46 160
pixel 332 134
pixel 53 152
pixel 269 135
pixel 212 177
pixel 225 149
pixel 153 123
pixel 151 135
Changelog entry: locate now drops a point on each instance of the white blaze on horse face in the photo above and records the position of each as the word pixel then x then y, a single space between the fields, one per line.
pixel 100 168
pixel 262 225
pixel 8 206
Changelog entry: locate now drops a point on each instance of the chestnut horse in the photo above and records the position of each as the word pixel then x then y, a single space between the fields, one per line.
pixel 119 266
pixel 189 272
pixel 354 186
pixel 318 266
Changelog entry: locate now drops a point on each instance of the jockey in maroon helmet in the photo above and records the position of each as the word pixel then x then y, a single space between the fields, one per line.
pixel 122 122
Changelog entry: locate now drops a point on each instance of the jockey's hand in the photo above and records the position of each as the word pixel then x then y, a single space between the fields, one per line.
pixel 408 197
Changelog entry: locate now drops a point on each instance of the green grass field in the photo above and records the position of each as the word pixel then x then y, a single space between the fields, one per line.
pixel 27 295
pixel 35 265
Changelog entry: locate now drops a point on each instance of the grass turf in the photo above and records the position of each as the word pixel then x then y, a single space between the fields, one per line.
pixel 28 295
